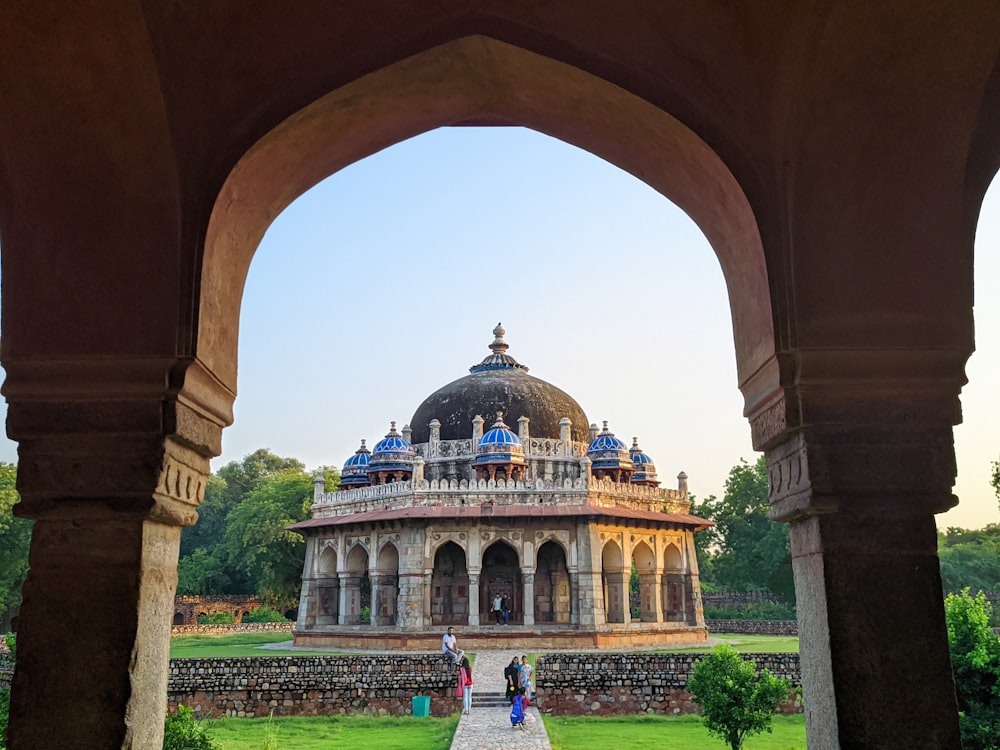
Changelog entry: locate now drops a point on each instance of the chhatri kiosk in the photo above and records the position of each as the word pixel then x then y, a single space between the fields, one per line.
pixel 437 519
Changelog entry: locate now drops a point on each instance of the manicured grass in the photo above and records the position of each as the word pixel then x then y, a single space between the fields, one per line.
pixel 748 644
pixel 356 732
pixel 664 733
pixel 244 644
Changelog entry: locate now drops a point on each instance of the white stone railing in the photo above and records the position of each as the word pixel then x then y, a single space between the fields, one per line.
pixel 536 448
pixel 601 491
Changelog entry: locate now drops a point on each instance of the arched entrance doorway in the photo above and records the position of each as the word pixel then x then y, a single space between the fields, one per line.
pixel 356 585
pixel 328 588
pixel 501 576
pixel 450 586
pixel 615 581
pixel 385 586
pixel 674 585
pixel 645 566
pixel 552 590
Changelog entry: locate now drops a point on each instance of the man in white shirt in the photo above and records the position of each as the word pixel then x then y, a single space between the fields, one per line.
pixel 497 607
pixel 449 647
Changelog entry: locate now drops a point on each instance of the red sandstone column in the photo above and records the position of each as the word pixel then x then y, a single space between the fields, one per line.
pixel 860 484
pixel 110 478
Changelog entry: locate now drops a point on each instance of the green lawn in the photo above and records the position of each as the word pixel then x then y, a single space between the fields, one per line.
pixel 664 733
pixel 244 644
pixel 747 644
pixel 323 732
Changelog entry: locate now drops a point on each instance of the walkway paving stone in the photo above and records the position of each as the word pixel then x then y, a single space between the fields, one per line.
pixel 488 727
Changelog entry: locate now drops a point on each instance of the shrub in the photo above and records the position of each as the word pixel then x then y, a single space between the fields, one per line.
pixel 756 611
pixel 366 614
pixel 182 731
pixel 4 716
pixel 216 618
pixel 733 703
pixel 264 614
pixel 975 665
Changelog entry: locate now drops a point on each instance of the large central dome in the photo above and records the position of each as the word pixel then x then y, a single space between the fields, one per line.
pixel 499 384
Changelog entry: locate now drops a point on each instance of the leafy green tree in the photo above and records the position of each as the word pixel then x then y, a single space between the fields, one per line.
pixel 975 665
pixel 970 558
pixel 735 703
pixel 751 552
pixel 703 542
pixel 226 489
pixel 15 540
pixel 257 536
pixel 202 573
pixel 995 478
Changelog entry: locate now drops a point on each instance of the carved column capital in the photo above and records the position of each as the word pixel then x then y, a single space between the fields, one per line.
pixel 118 436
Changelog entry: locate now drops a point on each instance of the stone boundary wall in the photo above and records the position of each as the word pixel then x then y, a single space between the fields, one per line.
pixel 754 627
pixel 737 598
pixel 614 683
pixel 233 629
pixel 311 685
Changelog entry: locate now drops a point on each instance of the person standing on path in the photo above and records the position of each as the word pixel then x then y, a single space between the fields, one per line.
pixel 526 673
pixel 465 684
pixel 510 677
pixel 497 607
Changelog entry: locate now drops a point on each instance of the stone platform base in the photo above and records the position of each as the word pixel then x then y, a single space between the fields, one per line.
pixel 520 638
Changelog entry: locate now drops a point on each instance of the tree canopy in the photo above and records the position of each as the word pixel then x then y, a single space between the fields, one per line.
pixel 241 544
pixel 970 558
pixel 975 665
pixel 15 539
pixel 745 551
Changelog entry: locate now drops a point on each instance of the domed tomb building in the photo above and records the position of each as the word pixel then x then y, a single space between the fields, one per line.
pixel 498 487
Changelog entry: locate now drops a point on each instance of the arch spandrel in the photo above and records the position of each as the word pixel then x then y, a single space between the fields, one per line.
pixel 465 80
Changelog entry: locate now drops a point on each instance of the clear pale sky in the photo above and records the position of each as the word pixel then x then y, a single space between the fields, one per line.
pixel 384 282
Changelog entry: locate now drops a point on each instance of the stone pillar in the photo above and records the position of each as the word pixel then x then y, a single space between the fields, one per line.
pixel 319 487
pixel 418 471
pixel 345 599
pixel 373 577
pixel 477 431
pixel 474 598
pixel 528 579
pixel 434 438
pixel 574 598
pixel 308 599
pixel 860 482
pixel 565 435
pixel 111 467
pixel 650 592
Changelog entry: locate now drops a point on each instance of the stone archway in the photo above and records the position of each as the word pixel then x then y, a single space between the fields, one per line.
pixel 649 582
pixel 552 585
pixel 355 586
pixel 385 586
pixel 449 595
pixel 675 584
pixel 327 587
pixel 614 578
pixel 501 575
pixel 863 136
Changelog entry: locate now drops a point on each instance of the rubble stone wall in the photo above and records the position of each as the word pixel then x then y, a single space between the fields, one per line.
pixel 312 685
pixel 614 683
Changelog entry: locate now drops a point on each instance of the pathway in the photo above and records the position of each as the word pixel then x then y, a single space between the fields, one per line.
pixel 488 726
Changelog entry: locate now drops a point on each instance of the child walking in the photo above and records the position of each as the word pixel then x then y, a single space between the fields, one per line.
pixel 517 710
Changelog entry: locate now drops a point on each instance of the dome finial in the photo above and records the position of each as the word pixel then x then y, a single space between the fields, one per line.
pixel 499 346
pixel 499 359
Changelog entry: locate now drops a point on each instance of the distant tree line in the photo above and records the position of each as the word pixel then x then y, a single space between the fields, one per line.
pixel 241 543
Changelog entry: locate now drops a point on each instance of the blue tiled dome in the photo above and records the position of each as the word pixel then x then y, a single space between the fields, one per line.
pixel 608 452
pixel 355 471
pixel 500 445
pixel 645 470
pixel 392 452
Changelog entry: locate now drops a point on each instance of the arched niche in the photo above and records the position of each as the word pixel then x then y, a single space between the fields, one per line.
pixel 552 585
pixel 615 582
pixel 385 587
pixel 449 594
pixel 501 576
